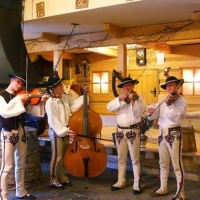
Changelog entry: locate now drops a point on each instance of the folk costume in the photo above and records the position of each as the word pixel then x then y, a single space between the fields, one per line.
pixel 58 112
pixel 13 139
pixel 170 142
pixel 127 137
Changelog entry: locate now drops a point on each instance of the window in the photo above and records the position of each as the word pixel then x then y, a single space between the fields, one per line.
pixel 100 82
pixel 191 84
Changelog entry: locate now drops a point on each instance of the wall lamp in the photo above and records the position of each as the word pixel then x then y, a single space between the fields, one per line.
pixel 166 71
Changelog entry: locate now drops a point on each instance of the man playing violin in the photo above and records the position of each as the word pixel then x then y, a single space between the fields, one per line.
pixel 170 112
pixel 13 133
pixel 129 108
pixel 58 112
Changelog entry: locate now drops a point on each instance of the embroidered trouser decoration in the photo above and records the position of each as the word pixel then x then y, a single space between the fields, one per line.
pixel 14 138
pixel 170 139
pixel 119 136
pixel 131 135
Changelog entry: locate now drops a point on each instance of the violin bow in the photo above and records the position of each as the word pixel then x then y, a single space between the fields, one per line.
pixel 130 90
pixel 66 45
pixel 26 87
pixel 80 135
pixel 182 80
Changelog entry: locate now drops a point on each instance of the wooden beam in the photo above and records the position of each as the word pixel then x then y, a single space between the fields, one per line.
pixel 165 48
pixel 113 30
pixel 104 51
pixel 164 32
pixel 122 59
pixel 50 37
pixel 68 56
pixel 196 15
pixel 146 34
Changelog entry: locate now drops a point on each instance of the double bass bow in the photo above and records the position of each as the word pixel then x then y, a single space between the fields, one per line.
pixel 85 156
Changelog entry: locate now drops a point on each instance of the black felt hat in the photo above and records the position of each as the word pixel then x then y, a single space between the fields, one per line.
pixel 127 80
pixel 54 80
pixel 172 79
pixel 19 75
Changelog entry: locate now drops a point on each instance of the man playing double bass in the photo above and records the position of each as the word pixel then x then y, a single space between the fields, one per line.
pixel 129 108
pixel 58 111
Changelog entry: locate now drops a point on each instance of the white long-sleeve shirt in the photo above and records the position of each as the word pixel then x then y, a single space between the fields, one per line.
pixel 15 107
pixel 127 114
pixel 169 116
pixel 59 110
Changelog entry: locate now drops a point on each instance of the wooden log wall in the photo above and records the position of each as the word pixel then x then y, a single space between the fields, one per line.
pixel 187 56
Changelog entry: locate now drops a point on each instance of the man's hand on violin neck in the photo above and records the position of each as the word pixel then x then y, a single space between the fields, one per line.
pixel 171 98
pixel 130 97
pixel 45 97
pixel 150 111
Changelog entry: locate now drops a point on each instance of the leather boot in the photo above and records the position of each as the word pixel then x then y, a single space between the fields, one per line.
pixel 137 176
pixel 121 183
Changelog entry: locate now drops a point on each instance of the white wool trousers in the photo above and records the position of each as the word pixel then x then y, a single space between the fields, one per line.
pixel 58 147
pixel 128 140
pixel 14 150
pixel 170 148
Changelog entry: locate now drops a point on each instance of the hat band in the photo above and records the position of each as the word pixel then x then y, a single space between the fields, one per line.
pixel 126 82
pixel 20 78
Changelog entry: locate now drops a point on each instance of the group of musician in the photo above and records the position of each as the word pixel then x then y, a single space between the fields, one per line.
pixel 170 112
pixel 129 108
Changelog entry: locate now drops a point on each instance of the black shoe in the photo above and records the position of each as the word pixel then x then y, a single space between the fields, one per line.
pixel 135 192
pixel 27 196
pixel 57 185
pixel 67 183
pixel 113 188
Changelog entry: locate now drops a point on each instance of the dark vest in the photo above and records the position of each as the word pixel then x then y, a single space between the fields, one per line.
pixel 12 122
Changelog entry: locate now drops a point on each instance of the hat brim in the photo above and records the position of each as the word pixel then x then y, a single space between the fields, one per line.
pixel 15 76
pixel 135 82
pixel 177 81
pixel 55 84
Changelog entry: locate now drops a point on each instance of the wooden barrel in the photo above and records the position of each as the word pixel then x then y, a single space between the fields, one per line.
pixel 189 142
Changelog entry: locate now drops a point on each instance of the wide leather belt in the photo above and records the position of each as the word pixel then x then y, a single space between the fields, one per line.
pixel 9 130
pixel 129 127
pixel 178 128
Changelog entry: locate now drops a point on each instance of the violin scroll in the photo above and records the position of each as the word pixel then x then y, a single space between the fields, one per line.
pixel 171 98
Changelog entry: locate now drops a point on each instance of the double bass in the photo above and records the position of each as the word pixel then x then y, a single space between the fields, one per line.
pixel 85 156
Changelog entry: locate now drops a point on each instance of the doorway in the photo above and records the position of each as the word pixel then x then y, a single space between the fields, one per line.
pixel 148 84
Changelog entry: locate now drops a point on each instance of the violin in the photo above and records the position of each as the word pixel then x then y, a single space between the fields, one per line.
pixel 134 98
pixel 172 98
pixel 34 96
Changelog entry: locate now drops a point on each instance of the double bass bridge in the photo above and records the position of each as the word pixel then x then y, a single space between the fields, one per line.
pixel 85 147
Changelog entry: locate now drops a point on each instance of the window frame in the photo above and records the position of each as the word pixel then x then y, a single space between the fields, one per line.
pixel 93 83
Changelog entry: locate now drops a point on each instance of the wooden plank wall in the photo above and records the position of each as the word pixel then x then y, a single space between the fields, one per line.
pixel 182 57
